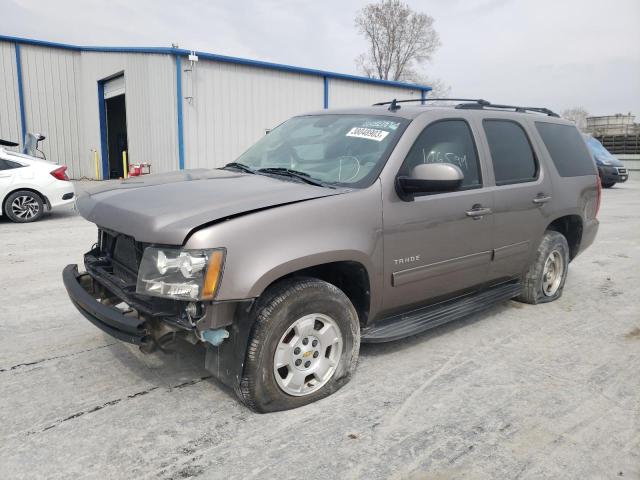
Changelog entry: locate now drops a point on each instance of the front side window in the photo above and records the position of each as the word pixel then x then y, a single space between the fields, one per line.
pixel 448 141
pixel 336 149
pixel 511 152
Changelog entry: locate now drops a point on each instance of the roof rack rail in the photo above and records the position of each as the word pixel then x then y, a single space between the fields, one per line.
pixel 474 104
pixel 515 108
pixel 393 104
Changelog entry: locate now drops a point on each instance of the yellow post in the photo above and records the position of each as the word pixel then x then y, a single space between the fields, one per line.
pixel 96 163
pixel 125 170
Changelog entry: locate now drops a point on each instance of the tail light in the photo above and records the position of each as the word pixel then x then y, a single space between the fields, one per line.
pixel 598 194
pixel 60 173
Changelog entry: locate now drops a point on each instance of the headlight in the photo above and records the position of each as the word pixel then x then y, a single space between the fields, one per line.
pixel 180 274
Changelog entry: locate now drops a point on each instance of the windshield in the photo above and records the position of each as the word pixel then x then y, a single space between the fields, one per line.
pixel 336 149
pixel 598 150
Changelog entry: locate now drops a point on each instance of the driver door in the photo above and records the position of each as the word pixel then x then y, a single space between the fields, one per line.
pixel 437 245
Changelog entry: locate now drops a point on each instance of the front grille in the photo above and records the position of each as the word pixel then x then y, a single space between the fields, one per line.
pixel 124 253
pixel 622 171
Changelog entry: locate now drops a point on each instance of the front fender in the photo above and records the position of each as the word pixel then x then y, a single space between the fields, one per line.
pixel 309 261
pixel 267 245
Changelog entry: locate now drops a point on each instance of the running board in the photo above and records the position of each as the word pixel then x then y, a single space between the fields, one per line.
pixel 416 321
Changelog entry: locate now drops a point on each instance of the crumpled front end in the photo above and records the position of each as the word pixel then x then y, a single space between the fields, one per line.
pixel 106 295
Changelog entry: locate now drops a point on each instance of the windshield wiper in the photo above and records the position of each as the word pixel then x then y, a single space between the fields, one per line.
pixel 305 177
pixel 239 166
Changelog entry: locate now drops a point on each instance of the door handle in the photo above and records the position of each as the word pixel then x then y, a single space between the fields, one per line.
pixel 541 199
pixel 478 211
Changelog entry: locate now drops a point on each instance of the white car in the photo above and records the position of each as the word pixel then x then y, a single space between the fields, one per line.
pixel 29 185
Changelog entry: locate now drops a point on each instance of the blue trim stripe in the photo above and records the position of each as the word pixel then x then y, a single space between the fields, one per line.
pixel 180 126
pixel 23 117
pixel 326 92
pixel 218 58
pixel 308 71
pixel 102 114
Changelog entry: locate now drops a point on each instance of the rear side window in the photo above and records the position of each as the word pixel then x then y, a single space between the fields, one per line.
pixel 511 152
pixel 447 141
pixel 8 165
pixel 567 149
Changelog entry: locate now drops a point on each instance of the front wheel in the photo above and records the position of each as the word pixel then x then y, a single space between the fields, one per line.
pixel 608 184
pixel 545 278
pixel 304 345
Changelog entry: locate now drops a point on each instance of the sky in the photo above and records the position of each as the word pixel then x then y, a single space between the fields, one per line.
pixel 553 53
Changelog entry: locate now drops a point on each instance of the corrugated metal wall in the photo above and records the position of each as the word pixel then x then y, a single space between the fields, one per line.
pixel 233 105
pixel 61 101
pixel 150 96
pixel 9 105
pixel 348 93
pixel 226 106
pixel 49 80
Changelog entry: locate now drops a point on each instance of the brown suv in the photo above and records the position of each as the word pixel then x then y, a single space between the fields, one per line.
pixel 338 227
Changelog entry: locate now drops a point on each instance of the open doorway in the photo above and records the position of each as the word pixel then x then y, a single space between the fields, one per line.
pixel 116 114
pixel 113 125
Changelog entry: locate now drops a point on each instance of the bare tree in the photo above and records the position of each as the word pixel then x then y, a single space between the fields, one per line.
pixel 439 89
pixel 578 115
pixel 399 39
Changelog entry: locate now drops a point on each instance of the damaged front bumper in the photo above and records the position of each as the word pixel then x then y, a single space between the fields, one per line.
pixel 97 304
pixel 117 317
pixel 112 305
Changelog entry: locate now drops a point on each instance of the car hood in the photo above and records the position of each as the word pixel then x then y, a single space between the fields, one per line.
pixel 612 162
pixel 165 208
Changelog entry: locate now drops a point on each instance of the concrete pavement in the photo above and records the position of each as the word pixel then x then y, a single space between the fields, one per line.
pixel 547 391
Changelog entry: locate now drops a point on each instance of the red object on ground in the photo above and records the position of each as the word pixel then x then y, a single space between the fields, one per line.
pixel 138 169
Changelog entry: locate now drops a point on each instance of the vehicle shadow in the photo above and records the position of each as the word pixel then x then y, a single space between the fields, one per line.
pixel 167 370
pixel 380 349
pixel 185 366
pixel 57 214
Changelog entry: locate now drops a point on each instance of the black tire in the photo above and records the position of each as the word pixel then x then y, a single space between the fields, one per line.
pixel 274 315
pixel 608 185
pixel 533 291
pixel 31 213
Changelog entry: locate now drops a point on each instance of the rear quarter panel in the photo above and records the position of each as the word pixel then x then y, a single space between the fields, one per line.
pixel 571 195
pixel 33 176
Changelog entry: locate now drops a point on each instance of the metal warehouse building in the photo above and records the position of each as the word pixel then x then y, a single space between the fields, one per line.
pixel 169 107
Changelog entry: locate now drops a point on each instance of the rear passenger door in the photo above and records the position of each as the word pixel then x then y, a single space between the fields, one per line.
pixel 521 193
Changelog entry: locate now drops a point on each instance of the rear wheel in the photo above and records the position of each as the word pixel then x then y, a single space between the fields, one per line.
pixel 24 206
pixel 545 278
pixel 303 347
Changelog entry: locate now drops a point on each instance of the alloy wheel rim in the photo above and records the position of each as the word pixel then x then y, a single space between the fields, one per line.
pixel 307 354
pixel 552 273
pixel 25 207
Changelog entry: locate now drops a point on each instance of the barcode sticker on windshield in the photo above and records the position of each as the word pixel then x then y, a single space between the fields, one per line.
pixel 368 133
pixel 381 124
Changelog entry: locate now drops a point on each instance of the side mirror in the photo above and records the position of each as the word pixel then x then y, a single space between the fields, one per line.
pixel 428 178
